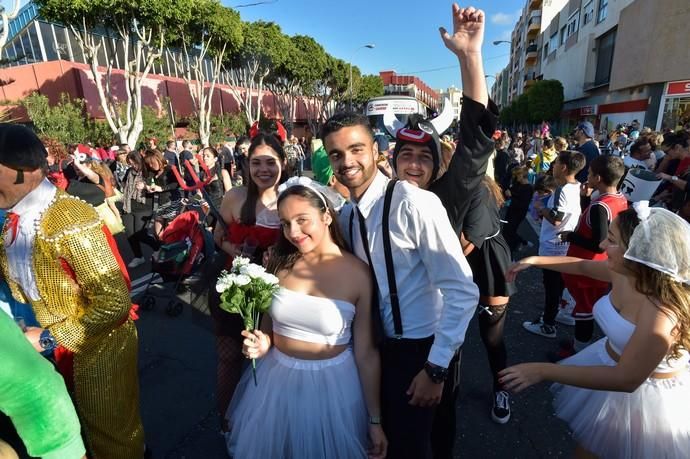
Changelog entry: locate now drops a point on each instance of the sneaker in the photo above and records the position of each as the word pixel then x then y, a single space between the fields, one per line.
pixel 136 262
pixel 500 413
pixel 540 328
pixel 564 318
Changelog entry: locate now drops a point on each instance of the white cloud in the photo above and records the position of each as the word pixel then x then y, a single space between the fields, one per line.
pixel 505 18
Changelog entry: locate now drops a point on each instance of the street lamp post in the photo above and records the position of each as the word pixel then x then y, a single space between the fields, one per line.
pixel 498 42
pixel 368 45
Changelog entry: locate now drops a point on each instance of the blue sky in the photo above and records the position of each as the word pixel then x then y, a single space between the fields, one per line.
pixel 405 32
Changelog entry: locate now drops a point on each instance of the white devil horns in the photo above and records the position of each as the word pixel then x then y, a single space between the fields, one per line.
pixel 440 123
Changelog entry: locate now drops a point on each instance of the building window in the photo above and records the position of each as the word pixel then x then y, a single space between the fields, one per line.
pixel 603 10
pixel 553 42
pixel 10 54
pixel 48 41
pixel 588 12
pixel 573 23
pixel 605 46
pixel 26 47
pixel 546 50
pixel 35 42
pixel 62 44
pixel 564 30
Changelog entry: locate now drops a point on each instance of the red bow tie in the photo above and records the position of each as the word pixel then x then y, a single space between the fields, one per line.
pixel 12 224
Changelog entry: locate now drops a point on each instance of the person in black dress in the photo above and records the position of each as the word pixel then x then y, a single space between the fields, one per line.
pixel 520 194
pixel 417 159
pixel 488 254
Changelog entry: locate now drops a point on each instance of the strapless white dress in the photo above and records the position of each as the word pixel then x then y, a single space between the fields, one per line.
pixel 651 422
pixel 311 409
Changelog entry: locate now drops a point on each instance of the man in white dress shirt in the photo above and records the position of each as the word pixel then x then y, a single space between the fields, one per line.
pixel 436 297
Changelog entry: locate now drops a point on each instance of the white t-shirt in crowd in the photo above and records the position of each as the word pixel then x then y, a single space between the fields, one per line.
pixel 632 163
pixel 569 204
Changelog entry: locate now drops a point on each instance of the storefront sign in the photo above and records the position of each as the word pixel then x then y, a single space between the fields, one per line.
pixel 399 107
pixel 678 88
pixel 588 110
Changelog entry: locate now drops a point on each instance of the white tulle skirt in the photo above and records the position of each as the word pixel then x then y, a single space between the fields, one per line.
pixel 652 422
pixel 300 409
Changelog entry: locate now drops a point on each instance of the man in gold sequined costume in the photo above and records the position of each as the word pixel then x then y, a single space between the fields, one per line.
pixel 58 256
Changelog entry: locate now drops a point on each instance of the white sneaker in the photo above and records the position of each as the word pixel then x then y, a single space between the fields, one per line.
pixel 540 328
pixel 565 318
pixel 136 262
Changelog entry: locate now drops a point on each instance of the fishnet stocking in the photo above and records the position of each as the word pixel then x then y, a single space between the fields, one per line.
pixel 229 370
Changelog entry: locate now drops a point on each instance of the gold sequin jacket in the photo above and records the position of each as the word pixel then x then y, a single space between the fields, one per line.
pixel 83 293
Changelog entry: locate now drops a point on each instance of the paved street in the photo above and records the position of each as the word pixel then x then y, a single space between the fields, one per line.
pixel 177 365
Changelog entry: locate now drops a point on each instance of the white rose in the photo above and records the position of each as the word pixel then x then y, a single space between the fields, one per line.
pixel 242 279
pixel 225 282
pixel 254 271
pixel 238 262
pixel 269 278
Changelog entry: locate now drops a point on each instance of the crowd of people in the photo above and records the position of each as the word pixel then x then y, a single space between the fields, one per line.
pixel 428 239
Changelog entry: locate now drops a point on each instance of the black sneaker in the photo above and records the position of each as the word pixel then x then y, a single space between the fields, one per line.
pixel 500 413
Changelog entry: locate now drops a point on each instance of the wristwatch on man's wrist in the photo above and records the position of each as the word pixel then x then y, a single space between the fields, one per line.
pixel 436 373
pixel 674 178
pixel 47 342
pixel 375 420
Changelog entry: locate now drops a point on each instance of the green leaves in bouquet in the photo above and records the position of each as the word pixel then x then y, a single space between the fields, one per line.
pixel 232 300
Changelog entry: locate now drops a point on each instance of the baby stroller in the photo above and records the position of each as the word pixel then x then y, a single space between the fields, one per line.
pixel 186 243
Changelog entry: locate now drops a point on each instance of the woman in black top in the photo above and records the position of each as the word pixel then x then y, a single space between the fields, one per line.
pixel 148 184
pixel 163 195
pixel 220 177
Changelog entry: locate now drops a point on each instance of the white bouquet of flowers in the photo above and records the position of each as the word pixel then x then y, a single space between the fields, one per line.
pixel 246 290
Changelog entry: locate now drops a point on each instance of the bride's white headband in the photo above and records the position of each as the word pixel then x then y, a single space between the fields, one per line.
pixel 305 182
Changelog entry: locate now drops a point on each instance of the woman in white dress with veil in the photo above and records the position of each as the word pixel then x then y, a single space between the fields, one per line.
pixel 318 367
pixel 627 395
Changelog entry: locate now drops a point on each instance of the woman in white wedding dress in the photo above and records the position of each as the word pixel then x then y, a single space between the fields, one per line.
pixel 627 395
pixel 318 367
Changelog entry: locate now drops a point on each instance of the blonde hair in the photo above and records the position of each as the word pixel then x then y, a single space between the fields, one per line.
pixel 494 190
pixel 105 173
pixel 447 151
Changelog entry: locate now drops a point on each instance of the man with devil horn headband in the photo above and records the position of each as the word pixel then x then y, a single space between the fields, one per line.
pixel 57 255
pixel 426 294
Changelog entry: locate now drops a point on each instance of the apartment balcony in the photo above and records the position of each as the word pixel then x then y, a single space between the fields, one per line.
pixel 533 26
pixel 531 56
pixel 534 4
pixel 529 79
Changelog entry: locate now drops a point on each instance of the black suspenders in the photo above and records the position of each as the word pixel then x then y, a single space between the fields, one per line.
pixel 388 254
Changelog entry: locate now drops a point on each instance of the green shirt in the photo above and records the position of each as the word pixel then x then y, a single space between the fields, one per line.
pixel 34 396
pixel 321 166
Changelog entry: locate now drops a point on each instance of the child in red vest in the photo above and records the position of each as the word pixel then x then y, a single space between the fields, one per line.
pixel 585 242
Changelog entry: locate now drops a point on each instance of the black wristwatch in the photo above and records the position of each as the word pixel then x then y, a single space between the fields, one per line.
pixel 436 374
pixel 47 342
